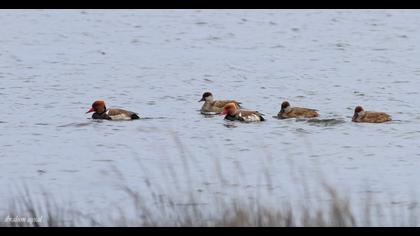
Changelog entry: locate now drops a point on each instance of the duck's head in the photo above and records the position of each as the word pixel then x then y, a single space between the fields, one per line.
pixel 97 106
pixel 284 106
pixel 357 111
pixel 207 96
pixel 229 109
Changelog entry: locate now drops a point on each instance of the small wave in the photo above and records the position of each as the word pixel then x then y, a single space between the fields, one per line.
pixel 300 130
pixel 213 38
pixel 76 124
pixel 153 118
pixel 277 46
pixel 69 171
pixel 325 122
pixel 209 113
pixel 40 124
pixel 230 125
pixel 395 121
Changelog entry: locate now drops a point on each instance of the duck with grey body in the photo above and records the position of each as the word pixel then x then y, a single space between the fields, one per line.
pixel 233 113
pixel 102 113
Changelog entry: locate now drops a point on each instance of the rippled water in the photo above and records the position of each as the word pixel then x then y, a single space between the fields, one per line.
pixel 55 63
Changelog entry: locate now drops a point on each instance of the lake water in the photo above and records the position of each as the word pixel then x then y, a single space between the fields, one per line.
pixel 55 63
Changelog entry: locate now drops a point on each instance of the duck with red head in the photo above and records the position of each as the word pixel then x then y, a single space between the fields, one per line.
pixel 360 115
pixel 295 112
pixel 101 112
pixel 214 106
pixel 233 113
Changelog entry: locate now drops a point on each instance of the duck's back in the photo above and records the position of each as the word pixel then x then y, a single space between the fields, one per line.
pixel 217 106
pixel 296 112
pixel 222 103
pixel 248 116
pixel 305 112
pixel 375 117
pixel 121 114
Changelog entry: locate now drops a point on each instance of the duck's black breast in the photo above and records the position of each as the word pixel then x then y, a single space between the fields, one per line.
pixel 231 118
pixel 134 116
pixel 102 116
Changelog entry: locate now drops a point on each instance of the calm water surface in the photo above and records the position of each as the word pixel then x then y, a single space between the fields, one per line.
pixel 55 63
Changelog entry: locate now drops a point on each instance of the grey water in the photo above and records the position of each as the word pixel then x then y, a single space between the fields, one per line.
pixel 55 63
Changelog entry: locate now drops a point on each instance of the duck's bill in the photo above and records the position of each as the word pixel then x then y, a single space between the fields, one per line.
pixel 223 113
pixel 201 100
pixel 90 110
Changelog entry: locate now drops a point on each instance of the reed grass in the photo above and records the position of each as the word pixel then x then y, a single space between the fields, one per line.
pixel 152 208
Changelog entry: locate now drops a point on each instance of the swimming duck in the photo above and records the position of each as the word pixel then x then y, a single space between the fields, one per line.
pixel 110 114
pixel 233 113
pixel 214 106
pixel 360 115
pixel 295 112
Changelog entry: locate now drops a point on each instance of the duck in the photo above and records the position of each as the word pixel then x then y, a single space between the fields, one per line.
pixel 360 115
pixel 214 106
pixel 233 113
pixel 101 112
pixel 295 112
